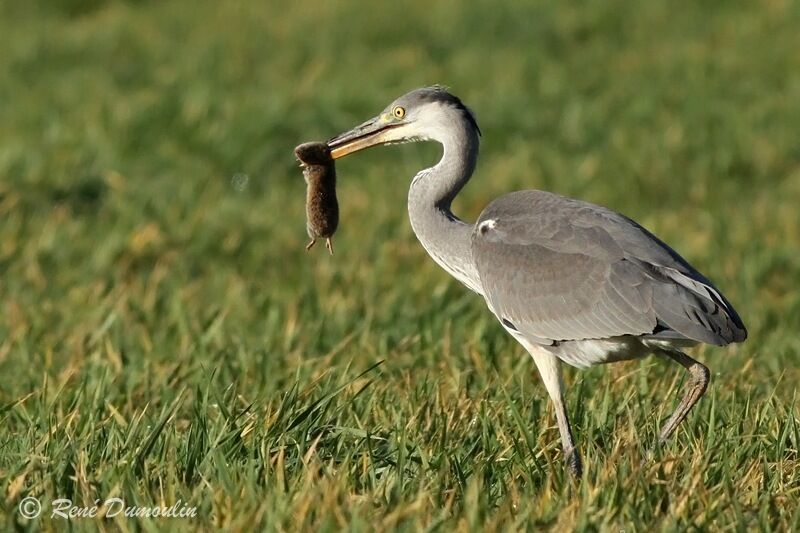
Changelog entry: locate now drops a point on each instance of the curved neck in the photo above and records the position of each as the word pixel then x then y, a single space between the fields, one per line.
pixel 444 236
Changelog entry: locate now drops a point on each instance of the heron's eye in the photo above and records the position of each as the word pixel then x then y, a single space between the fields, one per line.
pixel 399 112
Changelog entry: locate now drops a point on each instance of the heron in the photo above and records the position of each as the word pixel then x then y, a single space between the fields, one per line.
pixel 571 281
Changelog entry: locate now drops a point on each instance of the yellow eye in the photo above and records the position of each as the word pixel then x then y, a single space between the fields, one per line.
pixel 399 112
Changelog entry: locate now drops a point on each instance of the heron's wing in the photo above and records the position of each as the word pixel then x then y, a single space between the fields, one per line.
pixel 558 269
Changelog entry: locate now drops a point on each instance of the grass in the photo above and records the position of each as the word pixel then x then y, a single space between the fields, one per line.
pixel 164 336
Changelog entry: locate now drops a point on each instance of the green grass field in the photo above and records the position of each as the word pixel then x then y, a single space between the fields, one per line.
pixel 164 335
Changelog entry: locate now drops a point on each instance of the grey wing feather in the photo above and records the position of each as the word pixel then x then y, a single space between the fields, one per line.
pixel 559 269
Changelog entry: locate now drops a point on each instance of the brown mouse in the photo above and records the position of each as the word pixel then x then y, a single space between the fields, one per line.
pixel 322 207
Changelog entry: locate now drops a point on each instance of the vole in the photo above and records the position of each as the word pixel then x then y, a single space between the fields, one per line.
pixel 322 207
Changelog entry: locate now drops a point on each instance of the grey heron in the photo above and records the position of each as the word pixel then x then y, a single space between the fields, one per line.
pixel 573 282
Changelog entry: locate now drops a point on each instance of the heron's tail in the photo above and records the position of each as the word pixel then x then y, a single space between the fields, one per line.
pixel 695 309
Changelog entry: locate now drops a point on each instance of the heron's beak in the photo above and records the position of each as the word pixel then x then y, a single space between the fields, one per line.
pixel 373 132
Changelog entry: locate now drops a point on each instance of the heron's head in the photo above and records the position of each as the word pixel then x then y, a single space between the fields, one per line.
pixel 430 113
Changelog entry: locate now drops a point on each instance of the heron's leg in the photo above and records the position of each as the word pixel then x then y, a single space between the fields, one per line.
pixel 329 245
pixel 309 245
pixel 697 386
pixel 550 369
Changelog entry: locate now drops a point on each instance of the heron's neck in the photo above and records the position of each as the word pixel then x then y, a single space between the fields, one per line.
pixel 444 236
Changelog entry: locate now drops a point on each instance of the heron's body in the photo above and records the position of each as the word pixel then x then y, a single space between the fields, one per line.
pixel 573 282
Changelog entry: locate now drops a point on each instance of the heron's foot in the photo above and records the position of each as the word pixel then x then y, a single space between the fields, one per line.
pixel 309 245
pixel 329 245
pixel 650 456
pixel 698 383
pixel 574 463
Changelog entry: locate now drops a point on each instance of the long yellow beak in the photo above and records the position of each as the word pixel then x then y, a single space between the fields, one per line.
pixel 371 133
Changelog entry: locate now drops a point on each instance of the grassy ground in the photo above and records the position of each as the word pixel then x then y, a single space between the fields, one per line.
pixel 164 335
